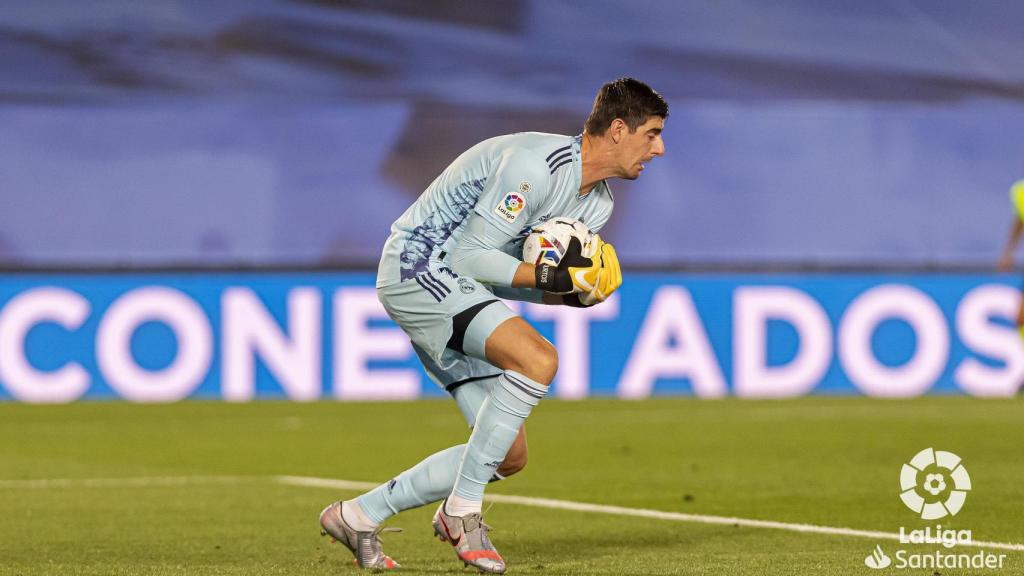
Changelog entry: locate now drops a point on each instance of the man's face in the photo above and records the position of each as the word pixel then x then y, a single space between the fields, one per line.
pixel 638 148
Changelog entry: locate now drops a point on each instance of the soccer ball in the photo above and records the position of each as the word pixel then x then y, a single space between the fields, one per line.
pixel 547 243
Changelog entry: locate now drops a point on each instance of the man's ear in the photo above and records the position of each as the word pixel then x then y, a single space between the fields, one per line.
pixel 617 130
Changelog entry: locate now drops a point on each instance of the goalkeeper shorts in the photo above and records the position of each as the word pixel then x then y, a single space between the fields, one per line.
pixel 443 312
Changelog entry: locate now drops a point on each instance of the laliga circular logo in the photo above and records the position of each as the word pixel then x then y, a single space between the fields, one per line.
pixel 934 484
pixel 513 202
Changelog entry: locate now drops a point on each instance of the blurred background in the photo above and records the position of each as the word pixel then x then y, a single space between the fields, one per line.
pixel 807 139
pixel 180 132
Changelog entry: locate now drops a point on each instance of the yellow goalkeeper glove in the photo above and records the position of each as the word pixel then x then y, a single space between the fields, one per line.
pixel 609 277
pixel 594 277
pixel 574 272
pixel 603 282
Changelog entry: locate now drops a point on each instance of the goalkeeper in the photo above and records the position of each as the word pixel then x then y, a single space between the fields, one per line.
pixel 448 259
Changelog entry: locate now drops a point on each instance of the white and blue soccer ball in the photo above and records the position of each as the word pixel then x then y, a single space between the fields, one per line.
pixel 548 242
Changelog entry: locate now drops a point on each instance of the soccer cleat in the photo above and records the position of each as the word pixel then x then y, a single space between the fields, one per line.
pixel 365 546
pixel 468 535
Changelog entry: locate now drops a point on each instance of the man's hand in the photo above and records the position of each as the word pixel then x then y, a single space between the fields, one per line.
pixel 575 273
pixel 608 278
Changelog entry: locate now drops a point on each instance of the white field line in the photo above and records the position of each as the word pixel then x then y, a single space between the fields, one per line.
pixel 311 482
pixel 642 513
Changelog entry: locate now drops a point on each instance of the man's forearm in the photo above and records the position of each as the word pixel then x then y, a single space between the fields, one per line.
pixel 525 276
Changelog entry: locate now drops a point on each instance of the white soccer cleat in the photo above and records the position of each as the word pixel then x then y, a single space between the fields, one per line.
pixel 468 535
pixel 365 546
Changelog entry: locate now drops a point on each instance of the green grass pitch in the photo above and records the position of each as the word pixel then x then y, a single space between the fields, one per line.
pixel 821 460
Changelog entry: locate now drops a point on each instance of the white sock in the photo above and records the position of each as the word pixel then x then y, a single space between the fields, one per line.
pixel 354 516
pixel 459 506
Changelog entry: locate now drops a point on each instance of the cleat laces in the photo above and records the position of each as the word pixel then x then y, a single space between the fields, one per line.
pixel 371 547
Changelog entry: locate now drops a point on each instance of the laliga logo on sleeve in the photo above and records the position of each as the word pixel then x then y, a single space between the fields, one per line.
pixel 510 206
pixel 934 484
pixel 514 202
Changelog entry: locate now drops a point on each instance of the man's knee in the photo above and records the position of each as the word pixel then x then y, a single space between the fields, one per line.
pixel 516 346
pixel 541 361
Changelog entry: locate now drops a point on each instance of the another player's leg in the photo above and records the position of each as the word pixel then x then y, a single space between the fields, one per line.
pixel 1020 329
pixel 530 363
pixel 1020 315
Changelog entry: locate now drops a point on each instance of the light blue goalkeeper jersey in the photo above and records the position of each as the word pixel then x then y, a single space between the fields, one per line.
pixel 515 182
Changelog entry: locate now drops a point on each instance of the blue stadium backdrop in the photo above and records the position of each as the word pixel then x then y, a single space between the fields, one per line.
pixel 293 132
pixel 158 338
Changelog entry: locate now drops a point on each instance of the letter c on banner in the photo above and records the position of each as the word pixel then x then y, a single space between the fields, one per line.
pixel 858 325
pixel 64 307
pixel 191 330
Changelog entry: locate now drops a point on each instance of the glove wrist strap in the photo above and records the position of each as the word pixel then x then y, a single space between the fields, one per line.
pixel 550 279
pixel 545 277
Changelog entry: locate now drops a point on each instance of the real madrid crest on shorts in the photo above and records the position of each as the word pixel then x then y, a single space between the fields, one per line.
pixel 466 285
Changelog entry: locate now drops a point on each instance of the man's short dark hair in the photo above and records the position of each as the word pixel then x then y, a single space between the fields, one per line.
pixel 626 98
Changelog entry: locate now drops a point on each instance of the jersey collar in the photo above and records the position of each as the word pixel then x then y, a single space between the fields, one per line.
pixel 577 165
pixel 577 169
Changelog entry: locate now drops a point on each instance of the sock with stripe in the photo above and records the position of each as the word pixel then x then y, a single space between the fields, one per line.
pixel 497 425
pixel 429 481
